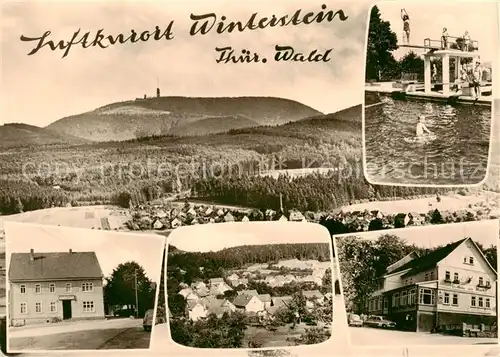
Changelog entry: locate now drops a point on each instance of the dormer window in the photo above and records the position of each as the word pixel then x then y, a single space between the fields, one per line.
pixel 432 275
pixel 426 276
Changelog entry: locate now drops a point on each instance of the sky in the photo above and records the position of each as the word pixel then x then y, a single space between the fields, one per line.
pixel 111 248
pixel 484 232
pixel 42 88
pixel 479 19
pixel 214 237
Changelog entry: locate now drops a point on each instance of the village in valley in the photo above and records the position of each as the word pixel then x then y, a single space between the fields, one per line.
pixel 281 303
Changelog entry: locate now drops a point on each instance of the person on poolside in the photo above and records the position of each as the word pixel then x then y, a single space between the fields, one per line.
pixel 434 73
pixel 476 79
pixel 466 42
pixel 444 38
pixel 422 129
pixel 406 26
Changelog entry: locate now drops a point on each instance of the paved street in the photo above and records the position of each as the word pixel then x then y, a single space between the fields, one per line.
pixel 367 336
pixel 106 334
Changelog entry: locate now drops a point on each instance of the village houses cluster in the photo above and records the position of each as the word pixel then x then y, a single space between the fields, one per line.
pixel 203 299
pixel 165 217
pixel 159 218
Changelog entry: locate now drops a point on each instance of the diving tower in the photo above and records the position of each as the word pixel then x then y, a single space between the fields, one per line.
pixel 453 49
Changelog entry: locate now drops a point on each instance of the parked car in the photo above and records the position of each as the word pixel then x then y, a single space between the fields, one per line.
pixel 379 321
pixel 147 322
pixel 355 320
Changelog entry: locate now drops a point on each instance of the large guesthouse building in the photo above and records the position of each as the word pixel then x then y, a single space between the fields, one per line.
pixel 450 286
pixel 49 287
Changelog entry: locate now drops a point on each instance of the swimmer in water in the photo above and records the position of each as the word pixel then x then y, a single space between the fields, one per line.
pixel 421 127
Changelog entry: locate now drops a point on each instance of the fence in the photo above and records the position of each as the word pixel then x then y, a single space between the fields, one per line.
pixel 457 43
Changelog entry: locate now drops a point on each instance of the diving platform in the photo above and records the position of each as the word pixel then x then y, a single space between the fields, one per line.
pixel 396 91
pixel 446 87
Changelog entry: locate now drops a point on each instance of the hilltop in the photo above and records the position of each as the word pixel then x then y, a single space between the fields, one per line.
pixel 180 116
pixel 24 135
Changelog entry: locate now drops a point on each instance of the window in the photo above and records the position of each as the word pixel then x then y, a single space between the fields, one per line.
pixel 38 307
pixel 446 299
pixel 38 289
pixel 24 308
pixel 481 281
pixel 88 306
pixel 86 287
pixel 426 276
pixel 52 288
pixel 488 283
pixel 473 301
pixel 395 299
pixel 53 306
pixel 379 303
pixel 455 277
pixel 427 297
pixel 385 303
pixel 480 302
pixel 455 299
pixel 487 303
pixel 68 287
pixel 465 260
pixel 412 294
pixel 432 275
pixel 471 260
pixel 447 276
pixel 404 298
pixel 23 289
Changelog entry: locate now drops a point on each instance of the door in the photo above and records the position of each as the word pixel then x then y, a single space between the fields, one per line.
pixel 66 309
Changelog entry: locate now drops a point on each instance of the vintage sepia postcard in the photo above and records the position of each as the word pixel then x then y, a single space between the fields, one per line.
pixel 222 146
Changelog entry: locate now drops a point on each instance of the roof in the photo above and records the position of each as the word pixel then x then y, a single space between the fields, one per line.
pixel 312 294
pixel 191 304
pixel 242 300
pixel 248 292
pixel 54 266
pixel 428 261
pixel 264 297
pixel 282 300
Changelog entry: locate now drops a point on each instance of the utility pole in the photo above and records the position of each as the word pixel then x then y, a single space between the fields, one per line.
pixel 136 296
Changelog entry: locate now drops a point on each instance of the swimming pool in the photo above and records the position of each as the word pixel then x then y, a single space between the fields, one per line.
pixel 458 155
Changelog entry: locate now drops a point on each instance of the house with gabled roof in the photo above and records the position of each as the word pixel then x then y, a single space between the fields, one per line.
pixel 54 285
pixel 248 303
pixel 451 285
pixel 195 310
pixel 218 286
pixel 217 306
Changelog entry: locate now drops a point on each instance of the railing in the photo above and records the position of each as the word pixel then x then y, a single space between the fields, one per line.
pixel 456 43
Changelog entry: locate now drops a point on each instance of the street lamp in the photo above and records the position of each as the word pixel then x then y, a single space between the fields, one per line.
pixel 136 296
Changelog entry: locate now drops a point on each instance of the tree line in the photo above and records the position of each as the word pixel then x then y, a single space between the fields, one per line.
pixel 314 192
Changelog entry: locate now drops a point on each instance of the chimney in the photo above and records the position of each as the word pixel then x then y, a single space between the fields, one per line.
pixel 32 254
pixel 70 251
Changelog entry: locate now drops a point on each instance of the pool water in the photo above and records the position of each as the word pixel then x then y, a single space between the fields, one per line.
pixel 457 155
